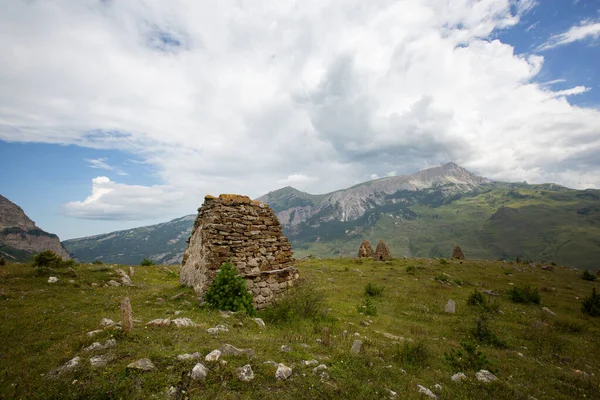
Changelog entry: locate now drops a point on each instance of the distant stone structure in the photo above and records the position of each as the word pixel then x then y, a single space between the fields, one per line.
pixel 457 253
pixel 365 250
pixel 382 252
pixel 247 233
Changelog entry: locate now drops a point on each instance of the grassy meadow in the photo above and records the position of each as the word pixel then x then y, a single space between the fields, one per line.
pixel 409 340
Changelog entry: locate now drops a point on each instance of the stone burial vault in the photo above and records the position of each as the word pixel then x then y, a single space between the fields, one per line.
pixel 247 233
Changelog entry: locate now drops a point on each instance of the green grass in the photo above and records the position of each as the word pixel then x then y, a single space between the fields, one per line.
pixel 44 325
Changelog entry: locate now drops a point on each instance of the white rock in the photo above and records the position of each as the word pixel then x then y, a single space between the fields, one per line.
pixel 270 362
pixel 70 365
pixel 94 333
pixel 321 370
pixel 549 311
pixel 217 329
pixel 450 307
pixel 285 348
pixel 199 372
pixel 458 377
pixel 102 360
pixel 101 346
pixel 356 347
pixel 113 283
pixel 259 322
pixel 183 322
pixel 159 322
pixel 437 387
pixel 143 364
pixel 392 394
pixel 485 376
pixel 309 363
pixel 426 392
pixel 245 373
pixel 52 279
pixel 105 322
pixel 213 356
pixel 283 372
pixel 193 356
pixel 392 337
pixel 229 350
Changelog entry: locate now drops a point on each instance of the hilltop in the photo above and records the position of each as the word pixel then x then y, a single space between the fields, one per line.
pixel 419 215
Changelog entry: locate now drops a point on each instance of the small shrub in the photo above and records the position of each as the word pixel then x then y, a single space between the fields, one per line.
pixel 476 298
pixel 301 302
pixel 367 307
pixel 588 276
pixel 524 295
pixel 373 290
pixel 411 270
pixel 97 262
pixel 47 259
pixel 2 262
pixel 468 358
pixel 569 325
pixel 443 261
pixel 442 278
pixel 228 292
pixel 591 305
pixel 415 354
pixel 146 263
pixel 484 334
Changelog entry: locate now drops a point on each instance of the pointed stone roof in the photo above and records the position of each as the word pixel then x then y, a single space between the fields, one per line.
pixel 457 253
pixel 382 253
pixel 365 250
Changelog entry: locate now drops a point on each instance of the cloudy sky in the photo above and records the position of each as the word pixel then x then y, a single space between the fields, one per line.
pixel 115 114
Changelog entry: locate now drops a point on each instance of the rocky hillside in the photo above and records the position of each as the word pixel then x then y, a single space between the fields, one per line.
pixel 162 243
pixel 420 215
pixel 20 238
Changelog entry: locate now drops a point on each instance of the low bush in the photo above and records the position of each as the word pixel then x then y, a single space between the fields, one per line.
pixel 468 358
pixel 569 325
pixel 48 259
pixel 415 354
pixel 524 295
pixel 411 269
pixel 228 292
pixel 97 262
pixel 301 302
pixel 588 276
pixel 483 333
pixel 443 261
pixel 146 263
pixel 373 290
pixel 367 307
pixel 442 278
pixel 476 298
pixel 591 305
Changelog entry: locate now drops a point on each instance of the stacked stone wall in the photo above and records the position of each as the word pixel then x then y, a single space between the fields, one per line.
pixel 247 233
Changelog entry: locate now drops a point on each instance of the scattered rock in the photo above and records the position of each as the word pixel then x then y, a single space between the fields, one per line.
pixel 491 293
pixel 113 283
pixel 159 322
pixel 356 347
pixel 245 373
pixel 213 356
pixel 106 322
pixel 225 314
pixel 259 322
pixel 183 322
pixel 458 377
pixel 392 394
pixel 285 349
pixel 143 365
pixel 193 356
pixel 321 371
pixel 269 362
pixel 52 279
pixel 217 329
pixel 366 322
pixel 485 376
pixel 283 372
pixel 99 346
pixel 450 307
pixel 125 280
pixel 548 310
pixel 178 296
pixel 229 350
pixel 426 392
pixel 437 387
pixel 102 360
pixel 70 365
pixel 199 372
pixel 94 333
pixel 309 363
pixel 126 318
pixel 392 337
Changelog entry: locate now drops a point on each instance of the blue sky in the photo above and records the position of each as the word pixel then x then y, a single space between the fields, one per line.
pixel 121 114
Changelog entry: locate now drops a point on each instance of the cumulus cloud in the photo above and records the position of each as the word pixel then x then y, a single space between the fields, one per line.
pixel 116 201
pixel 585 30
pixel 236 97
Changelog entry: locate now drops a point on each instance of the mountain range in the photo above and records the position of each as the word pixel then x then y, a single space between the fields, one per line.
pixel 424 214
pixel 20 238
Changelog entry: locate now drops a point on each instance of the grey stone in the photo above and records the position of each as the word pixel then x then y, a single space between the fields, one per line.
pixel 229 350
pixel 321 371
pixel 199 372
pixel 94 333
pixel 213 356
pixel 458 377
pixel 283 372
pixel 450 307
pixel 245 373
pixel 285 349
pixel 485 376
pixel 52 279
pixel 546 309
pixel 183 322
pixel 193 356
pixel 159 322
pixel 101 346
pixel 113 283
pixel 309 363
pixel 143 364
pixel 356 347
pixel 217 329
pixel 426 392
pixel 259 322
pixel 101 360
pixel 106 322
pixel 70 365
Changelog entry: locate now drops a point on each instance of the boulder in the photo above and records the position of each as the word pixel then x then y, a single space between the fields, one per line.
pixel 485 376
pixel 199 372
pixel 143 364
pixel 229 350
pixel 283 372
pixel 213 356
pixel 245 373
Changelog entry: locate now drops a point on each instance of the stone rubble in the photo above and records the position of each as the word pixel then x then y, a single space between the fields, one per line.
pixel 213 356
pixel 458 377
pixel 183 323
pixel 70 365
pixel 143 364
pixel 109 344
pixel 101 360
pixel 187 356
pixel 52 279
pixel 229 350
pixel 426 392
pixel 283 372
pixel 159 322
pixel 217 329
pixel 245 373
pixel 199 372
pixel 485 376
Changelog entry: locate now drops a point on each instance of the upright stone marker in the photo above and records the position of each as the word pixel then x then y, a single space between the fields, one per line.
pixel 126 319
pixel 450 307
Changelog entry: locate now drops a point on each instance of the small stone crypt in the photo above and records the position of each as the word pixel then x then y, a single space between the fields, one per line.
pixel 247 233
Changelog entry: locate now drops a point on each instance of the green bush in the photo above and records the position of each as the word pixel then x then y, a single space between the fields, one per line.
pixel 367 307
pixel 591 305
pixel 588 276
pixel 373 290
pixel 524 295
pixel 483 333
pixel 228 292
pixel 415 354
pixel 442 278
pixel 300 302
pixel 411 269
pixel 48 259
pixel 146 263
pixel 97 262
pixel 468 358
pixel 476 299
pixel 443 261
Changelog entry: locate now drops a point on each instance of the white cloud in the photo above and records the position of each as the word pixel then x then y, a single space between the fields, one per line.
pixel 586 29
pixel 101 163
pixel 115 201
pixel 571 92
pixel 235 97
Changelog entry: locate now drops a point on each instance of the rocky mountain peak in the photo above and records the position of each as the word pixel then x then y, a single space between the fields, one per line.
pixel 11 215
